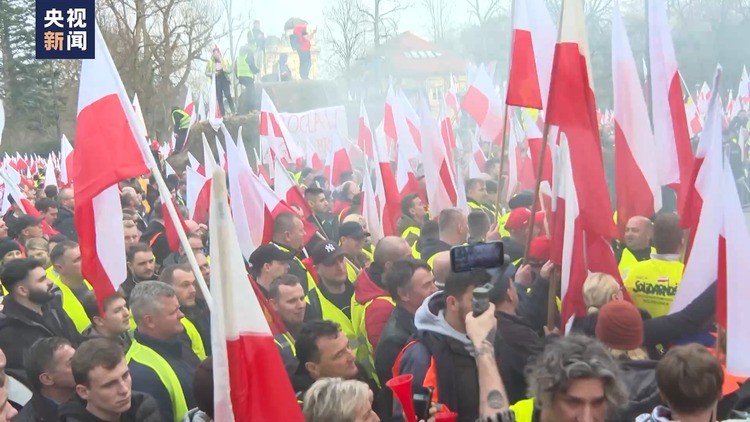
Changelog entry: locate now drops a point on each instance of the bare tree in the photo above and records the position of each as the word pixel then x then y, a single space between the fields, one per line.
pixel 484 10
pixel 440 17
pixel 154 44
pixel 382 16
pixel 344 33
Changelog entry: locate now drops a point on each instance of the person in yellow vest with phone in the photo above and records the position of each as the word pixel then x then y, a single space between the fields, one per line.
pixel 65 272
pixel 652 284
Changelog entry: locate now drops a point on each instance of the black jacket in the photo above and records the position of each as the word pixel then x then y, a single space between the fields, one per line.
pixel 143 408
pixel 156 237
pixel 429 247
pixel 327 224
pixel 397 332
pixel 21 327
pixel 201 318
pixel 668 328
pixel 513 249
pixel 39 409
pixel 182 360
pixel 65 224
pixel 515 344
pixel 302 381
pixel 640 379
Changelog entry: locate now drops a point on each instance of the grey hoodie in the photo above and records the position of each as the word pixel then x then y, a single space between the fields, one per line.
pixel 431 317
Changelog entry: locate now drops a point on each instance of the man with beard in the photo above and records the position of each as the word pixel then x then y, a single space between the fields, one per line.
pixel 30 311
pixel 141 267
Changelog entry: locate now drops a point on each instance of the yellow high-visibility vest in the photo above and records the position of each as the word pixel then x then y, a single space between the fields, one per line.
pixel 148 357
pixel 653 284
pixel 196 341
pixel 310 280
pixel 71 305
pixel 331 312
pixel 365 355
pixel 524 410
pixel 627 260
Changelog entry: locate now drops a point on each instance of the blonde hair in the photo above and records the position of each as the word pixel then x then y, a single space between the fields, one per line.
pixel 335 400
pixel 37 243
pixel 598 290
pixel 635 354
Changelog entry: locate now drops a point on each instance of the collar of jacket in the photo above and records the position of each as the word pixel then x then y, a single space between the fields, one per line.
pixel 170 348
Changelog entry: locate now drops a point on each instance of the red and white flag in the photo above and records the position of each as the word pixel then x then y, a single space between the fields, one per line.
pixel 451 96
pixel 478 160
pixel 139 114
pixel 201 115
pixel 438 173
pixel 215 119
pixel 532 51
pixel 668 111
pixel 169 170
pixel 286 189
pixel 743 92
pixel 275 138
pixel 636 173
pixel 221 153
pixel 370 210
pixel 364 134
pixel 338 161
pixel 583 222
pixel 66 161
pixel 704 95
pixel 406 179
pixel 386 191
pixel 247 365
pixel 100 166
pixel 208 157
pixel 483 104
pixel 313 159
pixel 189 107
pixel 197 195
pixel 49 173
pixel 401 124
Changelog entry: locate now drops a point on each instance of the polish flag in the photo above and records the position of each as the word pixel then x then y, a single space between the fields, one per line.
pixel 222 155
pixel 169 170
pixel 637 187
pixel 534 139
pixel 139 114
pixel 189 107
pixel 208 157
pixel 198 195
pixel 670 122
pixel 201 116
pixel 364 134
pixel 412 119
pixel 451 97
pixel 703 208
pixel 49 173
pixel 478 159
pixel 397 126
pixel 584 222
pixel 338 161
pixel 313 160
pixel 195 164
pixel 386 191
pixel 704 95
pixel 247 366
pixel 438 172
pixel 260 169
pixel 694 118
pixel 406 180
pixel 743 92
pixel 170 225
pixel 515 138
pixel 215 119
pixel 449 138
pixel 66 161
pixel 100 166
pixel 274 135
pixel 370 210
pixel 286 189
pixel 532 52
pixel 483 104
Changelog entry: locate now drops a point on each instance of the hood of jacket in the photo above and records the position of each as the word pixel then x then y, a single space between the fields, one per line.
pixel 143 408
pixel 640 379
pixel 431 317
pixel 196 415
pixel 368 285
pixel 429 247
pixel 404 222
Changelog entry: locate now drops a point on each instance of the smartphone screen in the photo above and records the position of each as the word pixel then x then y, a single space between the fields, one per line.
pixel 478 255
pixel 422 398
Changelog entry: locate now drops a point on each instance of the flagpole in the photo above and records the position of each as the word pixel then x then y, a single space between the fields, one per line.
pixel 503 147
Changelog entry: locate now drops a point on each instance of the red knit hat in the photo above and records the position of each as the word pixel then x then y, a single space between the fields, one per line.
pixel 539 248
pixel 620 326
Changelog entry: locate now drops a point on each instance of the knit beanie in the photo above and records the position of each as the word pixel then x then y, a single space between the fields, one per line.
pixel 8 245
pixel 620 326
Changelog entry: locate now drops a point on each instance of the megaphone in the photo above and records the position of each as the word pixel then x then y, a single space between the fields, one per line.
pixel 401 386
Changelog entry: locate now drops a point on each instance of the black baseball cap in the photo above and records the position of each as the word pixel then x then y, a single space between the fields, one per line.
pixel 352 229
pixel 325 253
pixel 25 221
pixel 268 253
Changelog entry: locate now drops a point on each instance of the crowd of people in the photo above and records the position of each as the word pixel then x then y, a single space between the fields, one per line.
pixel 352 312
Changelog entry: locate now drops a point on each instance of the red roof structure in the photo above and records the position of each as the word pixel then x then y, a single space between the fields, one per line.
pixel 407 55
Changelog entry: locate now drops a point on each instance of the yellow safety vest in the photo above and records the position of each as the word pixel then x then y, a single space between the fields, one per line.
pixel 411 234
pixel 243 69
pixel 477 206
pixel 369 252
pixel 415 252
pixel 288 342
pixel 351 270
pixel 224 62
pixel 524 410
pixel 71 305
pixel 627 260
pixel 653 284
pixel 148 357
pixel 365 354
pixel 310 280
pixel 331 312
pixel 501 220
pixel 196 341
